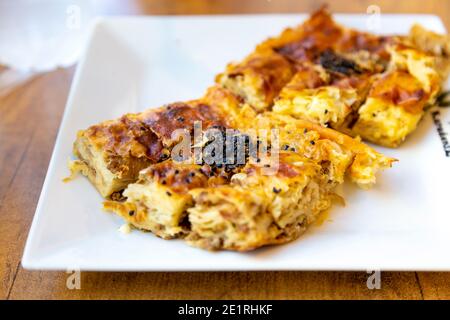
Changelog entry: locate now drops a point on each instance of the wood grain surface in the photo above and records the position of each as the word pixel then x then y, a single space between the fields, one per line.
pixel 29 119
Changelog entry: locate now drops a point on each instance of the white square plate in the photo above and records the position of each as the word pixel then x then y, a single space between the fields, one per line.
pixel 132 63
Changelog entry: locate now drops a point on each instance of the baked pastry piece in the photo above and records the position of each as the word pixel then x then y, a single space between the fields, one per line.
pixel 331 100
pixel 377 89
pixel 244 207
pixel 355 82
pixel 240 210
pixel 437 45
pixel 398 97
pixel 255 210
pixel 157 202
pixel 338 154
pixel 112 153
pixel 217 210
pixel 260 77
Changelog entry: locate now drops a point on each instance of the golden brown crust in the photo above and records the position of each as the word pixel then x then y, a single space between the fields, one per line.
pixel 321 33
pixel 333 69
pixel 317 34
pixel 401 89
pixel 184 177
pixel 258 79
pixel 164 122
pixel 327 146
pixel 356 82
pixel 125 136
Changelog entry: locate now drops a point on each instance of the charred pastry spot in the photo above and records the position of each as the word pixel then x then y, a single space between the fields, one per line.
pixel 275 190
pixel 297 51
pixel 205 173
pixel 118 196
pixel 443 98
pixel 185 223
pixel 336 63
pixel 164 156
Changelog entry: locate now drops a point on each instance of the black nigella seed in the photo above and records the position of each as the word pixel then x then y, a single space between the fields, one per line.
pixel 293 149
pixel 313 142
pixel 177 171
pixel 267 165
pixel 305 130
pixel 326 111
pixel 180 119
pixel 131 213
pixel 168 193
pixel 275 190
pixel 163 182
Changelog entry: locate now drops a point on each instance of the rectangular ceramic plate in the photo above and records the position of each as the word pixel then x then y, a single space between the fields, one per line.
pixel 135 63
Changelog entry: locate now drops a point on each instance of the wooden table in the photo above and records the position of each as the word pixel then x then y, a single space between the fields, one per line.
pixel 29 120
